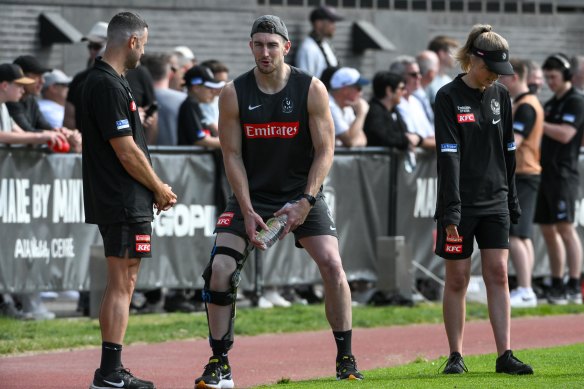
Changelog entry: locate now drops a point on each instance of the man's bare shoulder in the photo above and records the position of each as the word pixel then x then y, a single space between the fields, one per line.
pixel 228 98
pixel 317 94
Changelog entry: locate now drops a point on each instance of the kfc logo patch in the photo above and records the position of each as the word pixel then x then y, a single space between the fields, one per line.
pixel 225 219
pixel 453 248
pixel 465 118
pixel 142 247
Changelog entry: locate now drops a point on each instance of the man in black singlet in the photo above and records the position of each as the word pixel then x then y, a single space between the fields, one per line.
pixel 119 187
pixel 277 138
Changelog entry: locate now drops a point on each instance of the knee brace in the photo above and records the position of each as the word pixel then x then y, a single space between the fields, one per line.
pixel 229 297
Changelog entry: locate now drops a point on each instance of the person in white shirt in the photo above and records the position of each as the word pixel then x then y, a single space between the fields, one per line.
pixel 410 107
pixel 315 53
pixel 54 96
pixel 348 108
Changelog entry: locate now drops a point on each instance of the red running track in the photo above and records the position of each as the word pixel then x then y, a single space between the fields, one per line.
pixel 267 358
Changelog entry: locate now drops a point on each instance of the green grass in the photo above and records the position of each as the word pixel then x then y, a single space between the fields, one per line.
pixel 30 336
pixel 557 367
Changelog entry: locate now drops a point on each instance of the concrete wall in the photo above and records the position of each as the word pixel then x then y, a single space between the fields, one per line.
pixel 220 29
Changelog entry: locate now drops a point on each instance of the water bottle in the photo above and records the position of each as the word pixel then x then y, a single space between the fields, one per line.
pixel 273 233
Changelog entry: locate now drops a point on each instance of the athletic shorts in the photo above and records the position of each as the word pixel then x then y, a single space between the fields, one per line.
pixel 527 186
pixel 133 238
pixel 490 231
pixel 318 222
pixel 556 202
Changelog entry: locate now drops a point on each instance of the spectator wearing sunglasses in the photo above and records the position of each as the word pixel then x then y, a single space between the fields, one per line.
pixel 410 107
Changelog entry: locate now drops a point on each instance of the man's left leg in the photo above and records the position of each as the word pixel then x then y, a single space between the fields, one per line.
pixel 324 249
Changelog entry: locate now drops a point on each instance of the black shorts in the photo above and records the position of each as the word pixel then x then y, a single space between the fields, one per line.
pixel 527 186
pixel 133 238
pixel 556 202
pixel 318 222
pixel 490 231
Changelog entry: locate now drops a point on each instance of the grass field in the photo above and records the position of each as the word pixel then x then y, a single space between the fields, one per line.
pixel 558 367
pixel 33 336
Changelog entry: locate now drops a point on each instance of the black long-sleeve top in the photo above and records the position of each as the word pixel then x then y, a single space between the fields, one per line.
pixel 384 128
pixel 475 152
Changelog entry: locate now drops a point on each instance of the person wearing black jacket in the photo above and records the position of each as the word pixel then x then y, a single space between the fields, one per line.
pixel 476 190
pixel 556 207
pixel 384 125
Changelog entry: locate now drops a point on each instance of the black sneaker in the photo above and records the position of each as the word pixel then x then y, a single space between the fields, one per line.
pixel 557 296
pixel 507 363
pixel 455 364
pixel 574 295
pixel 119 379
pixel 347 369
pixel 217 375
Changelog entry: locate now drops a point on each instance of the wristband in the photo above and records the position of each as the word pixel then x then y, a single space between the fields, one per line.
pixel 311 199
pixel 421 141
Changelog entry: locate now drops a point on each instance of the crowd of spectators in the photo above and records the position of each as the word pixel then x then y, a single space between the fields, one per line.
pixel 177 97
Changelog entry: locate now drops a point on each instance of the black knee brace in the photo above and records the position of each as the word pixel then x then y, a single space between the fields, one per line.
pixel 229 297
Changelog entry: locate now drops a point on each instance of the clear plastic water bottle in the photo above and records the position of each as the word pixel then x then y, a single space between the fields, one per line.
pixel 410 161
pixel 273 233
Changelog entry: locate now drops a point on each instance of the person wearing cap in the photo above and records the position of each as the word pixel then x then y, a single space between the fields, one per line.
pixel 26 112
pixel 558 196
pixel 12 81
pixel 181 60
pixel 277 139
pixel 211 110
pixel 477 198
pixel 120 187
pixel 54 95
pixel 348 108
pixel 316 53
pixel 192 128
pixel 95 38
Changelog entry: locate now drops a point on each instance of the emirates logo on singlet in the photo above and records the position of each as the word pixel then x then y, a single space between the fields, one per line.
pixel 285 130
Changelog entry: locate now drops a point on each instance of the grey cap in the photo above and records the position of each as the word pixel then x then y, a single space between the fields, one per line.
pixel 270 24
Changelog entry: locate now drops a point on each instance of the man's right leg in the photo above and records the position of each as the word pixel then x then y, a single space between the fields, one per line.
pixel 114 312
pixel 220 291
pixel 574 259
pixel 522 256
pixel 557 257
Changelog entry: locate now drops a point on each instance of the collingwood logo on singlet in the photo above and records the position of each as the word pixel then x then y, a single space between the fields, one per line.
pixel 287 105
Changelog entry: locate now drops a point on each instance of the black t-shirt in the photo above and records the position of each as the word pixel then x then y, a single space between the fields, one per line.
pixel 559 160
pixel 75 94
pixel 110 194
pixel 190 123
pixel 276 143
pixel 385 128
pixel 524 118
pixel 142 86
pixel 27 114
pixel 476 151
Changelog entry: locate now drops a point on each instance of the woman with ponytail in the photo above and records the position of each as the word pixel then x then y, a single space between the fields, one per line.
pixel 476 190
